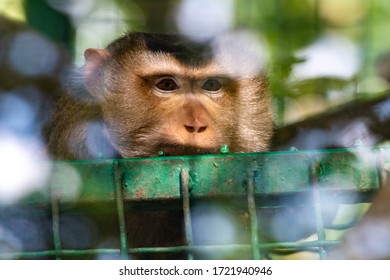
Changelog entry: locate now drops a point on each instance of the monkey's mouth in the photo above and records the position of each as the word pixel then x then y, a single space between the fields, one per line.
pixel 182 150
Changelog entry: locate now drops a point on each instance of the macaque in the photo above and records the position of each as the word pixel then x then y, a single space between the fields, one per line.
pixel 147 93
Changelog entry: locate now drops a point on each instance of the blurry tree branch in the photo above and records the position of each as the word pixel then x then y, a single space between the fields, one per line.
pixel 360 122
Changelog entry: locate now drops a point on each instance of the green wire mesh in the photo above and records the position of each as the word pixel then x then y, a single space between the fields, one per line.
pixel 256 184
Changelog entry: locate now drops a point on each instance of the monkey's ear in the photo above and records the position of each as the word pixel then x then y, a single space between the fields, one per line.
pixel 94 59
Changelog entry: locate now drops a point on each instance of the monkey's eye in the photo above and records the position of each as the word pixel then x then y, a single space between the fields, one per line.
pixel 166 84
pixel 212 85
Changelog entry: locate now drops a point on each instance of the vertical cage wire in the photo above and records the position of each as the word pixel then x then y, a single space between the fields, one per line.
pixel 314 180
pixel 118 184
pixel 253 217
pixel 55 221
pixel 184 180
pixel 380 168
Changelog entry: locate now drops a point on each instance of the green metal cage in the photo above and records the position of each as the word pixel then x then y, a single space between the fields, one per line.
pixel 308 183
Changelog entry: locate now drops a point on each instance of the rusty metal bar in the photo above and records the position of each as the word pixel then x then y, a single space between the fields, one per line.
pixel 253 217
pixel 184 180
pixel 314 180
pixel 55 222
pixel 381 168
pixel 118 179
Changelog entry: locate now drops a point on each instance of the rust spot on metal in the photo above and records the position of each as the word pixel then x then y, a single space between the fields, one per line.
pixel 139 193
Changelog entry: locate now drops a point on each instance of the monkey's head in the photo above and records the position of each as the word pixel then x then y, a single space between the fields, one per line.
pixel 166 93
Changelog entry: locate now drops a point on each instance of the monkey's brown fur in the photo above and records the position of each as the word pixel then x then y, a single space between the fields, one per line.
pixel 138 122
pixel 146 93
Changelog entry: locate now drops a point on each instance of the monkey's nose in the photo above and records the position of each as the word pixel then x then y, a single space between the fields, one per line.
pixel 195 128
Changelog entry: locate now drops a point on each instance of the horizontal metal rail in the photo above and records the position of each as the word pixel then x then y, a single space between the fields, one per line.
pixel 259 183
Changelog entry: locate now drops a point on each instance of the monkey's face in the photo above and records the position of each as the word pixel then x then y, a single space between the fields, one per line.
pixel 152 101
pixel 176 112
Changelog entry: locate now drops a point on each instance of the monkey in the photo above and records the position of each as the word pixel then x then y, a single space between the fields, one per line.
pixel 146 93
pixel 151 93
